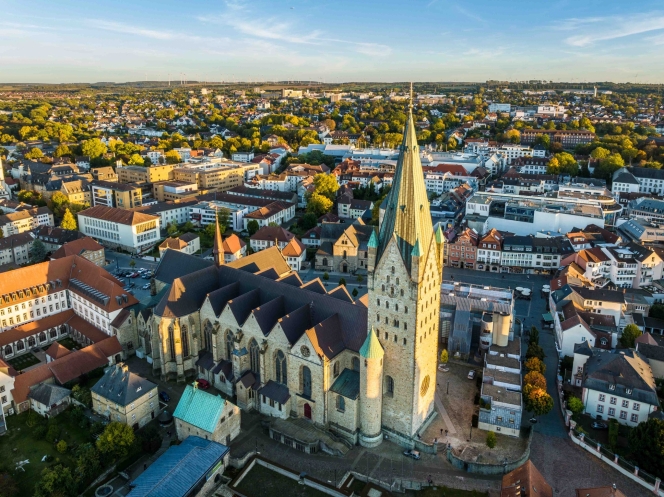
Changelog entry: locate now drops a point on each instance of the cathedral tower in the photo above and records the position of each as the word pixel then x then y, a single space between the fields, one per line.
pixel 371 391
pixel 405 271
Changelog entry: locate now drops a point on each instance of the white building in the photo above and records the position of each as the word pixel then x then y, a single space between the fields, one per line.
pixel 243 156
pixel 498 107
pixel 638 179
pixel 551 110
pixel 133 231
pixel 13 223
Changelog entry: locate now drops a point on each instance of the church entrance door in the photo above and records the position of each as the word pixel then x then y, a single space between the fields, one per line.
pixel 307 411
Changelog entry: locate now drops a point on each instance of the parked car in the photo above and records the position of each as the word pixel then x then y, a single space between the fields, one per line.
pixel 146 276
pixel 146 286
pixel 135 275
pixel 164 397
pixel 203 384
pixel 443 368
pixel 471 374
pixel 599 426
pixel 415 454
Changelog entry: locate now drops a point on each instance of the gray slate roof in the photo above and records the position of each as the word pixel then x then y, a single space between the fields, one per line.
pixel 48 394
pixel 121 386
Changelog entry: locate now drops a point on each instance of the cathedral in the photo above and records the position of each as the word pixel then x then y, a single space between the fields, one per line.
pixel 364 369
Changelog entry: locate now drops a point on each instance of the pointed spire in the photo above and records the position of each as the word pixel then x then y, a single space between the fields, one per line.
pixel 439 235
pixel 218 249
pixel 372 349
pixel 407 215
pixel 373 240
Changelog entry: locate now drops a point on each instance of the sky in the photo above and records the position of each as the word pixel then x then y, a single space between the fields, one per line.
pixel 68 41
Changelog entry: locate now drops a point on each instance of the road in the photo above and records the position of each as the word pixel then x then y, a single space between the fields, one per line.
pixel 530 313
pixel 120 261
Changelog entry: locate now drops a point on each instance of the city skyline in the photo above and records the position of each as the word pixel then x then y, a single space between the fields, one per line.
pixel 431 40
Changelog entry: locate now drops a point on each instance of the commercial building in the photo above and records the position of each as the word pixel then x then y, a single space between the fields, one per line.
pixel 120 195
pixel 568 138
pixel 638 179
pixel 133 231
pixel 165 191
pixel 149 174
pixel 529 254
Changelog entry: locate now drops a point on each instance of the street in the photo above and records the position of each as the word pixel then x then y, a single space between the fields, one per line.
pixel 122 262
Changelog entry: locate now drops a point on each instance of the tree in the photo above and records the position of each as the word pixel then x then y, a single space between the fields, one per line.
pixel 309 220
pixel 252 227
pixel 132 263
pixel 56 481
pixel 116 440
pixel 359 278
pixel 224 217
pixel 614 428
pixel 355 292
pixel 563 163
pixel 34 153
pixel 172 228
pixel 326 185
pixel 609 165
pixel 61 446
pixel 629 335
pixel 575 405
pixel 342 281
pixel 539 402
pixel 646 443
pixel 172 157
pixel 585 123
pixel 87 461
pixel 535 350
pixel 444 356
pixel 513 136
pixel 82 395
pixel 657 311
pixel 93 148
pixel 136 160
pixel 600 153
pixel 491 440
pixel 534 336
pixel 68 222
pixel 535 364
pixel 62 150
pixel 37 251
pixel 319 204
pixel 326 276
pixel 536 379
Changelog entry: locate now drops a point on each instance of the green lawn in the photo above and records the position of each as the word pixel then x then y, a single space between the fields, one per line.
pixel 18 444
pixel 24 361
pixel 69 343
pixel 262 481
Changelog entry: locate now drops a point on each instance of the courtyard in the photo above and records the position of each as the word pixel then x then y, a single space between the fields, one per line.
pixel 23 362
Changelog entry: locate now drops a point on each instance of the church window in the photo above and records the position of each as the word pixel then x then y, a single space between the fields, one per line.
pixel 8 350
pixel 386 336
pixel 405 326
pixel 389 386
pixel 392 269
pixel 386 320
pixel 402 292
pixel 397 281
pixel 341 404
pixel 396 323
pixel 395 338
pixel 405 310
pixel 425 385
pixel 383 287
pixel 171 343
pixel 387 305
pixel 306 382
pixel 345 255
pixel 184 335
pixel 378 302
pixel 229 344
pixel 281 367
pixel 356 363
pixel 335 369
pixel 404 341
pixel 254 358
pixel 392 291
pixel 396 307
pixel 378 317
pixel 207 336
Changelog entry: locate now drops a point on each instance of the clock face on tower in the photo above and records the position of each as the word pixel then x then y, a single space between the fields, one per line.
pixel 304 350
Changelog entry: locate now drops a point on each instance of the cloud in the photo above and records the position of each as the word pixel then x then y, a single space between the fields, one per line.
pixel 483 53
pixel 468 14
pixel 596 29
pixel 129 29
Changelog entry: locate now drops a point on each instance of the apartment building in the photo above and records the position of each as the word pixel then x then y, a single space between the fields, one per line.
pixel 120 228
pixel 54 238
pixel 463 251
pixel 120 195
pixel 149 174
pixel 15 249
pixel 445 177
pixel 489 250
pixel 275 212
pixel 650 210
pixel 125 397
pixel 528 254
pixel 85 247
pixel 13 223
pixel 177 211
pixel 189 243
pixel 531 165
pixel 568 138
pixel 164 191
pixel 267 236
pixel 638 179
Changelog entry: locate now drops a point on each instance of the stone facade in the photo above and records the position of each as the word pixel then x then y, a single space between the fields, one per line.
pixel 226 430
pixel 140 412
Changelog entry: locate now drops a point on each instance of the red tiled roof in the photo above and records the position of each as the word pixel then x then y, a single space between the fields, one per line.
pixel 56 351
pixel 77 247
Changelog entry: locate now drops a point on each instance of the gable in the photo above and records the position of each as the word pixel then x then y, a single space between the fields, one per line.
pixel 297 351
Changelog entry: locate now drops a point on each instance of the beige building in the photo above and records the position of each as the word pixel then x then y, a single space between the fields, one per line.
pixel 175 190
pixel 140 174
pixel 189 243
pixel 206 415
pixel 15 249
pixel 362 369
pixel 218 178
pixel 120 195
pixel 25 220
pixel 343 248
pixel 85 247
pixel 77 191
pixel 123 396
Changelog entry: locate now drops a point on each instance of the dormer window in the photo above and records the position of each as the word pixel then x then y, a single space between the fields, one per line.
pixel 612 387
pixel 628 391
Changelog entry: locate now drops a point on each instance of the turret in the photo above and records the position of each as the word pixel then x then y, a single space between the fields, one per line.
pixel 371 391
pixel 371 256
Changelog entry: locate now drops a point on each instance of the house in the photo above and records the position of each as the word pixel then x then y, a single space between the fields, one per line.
pixel 15 249
pixel 295 253
pixel 489 248
pixel 267 236
pixel 618 386
pixel 525 480
pixel 653 353
pixel 234 248
pixel 25 220
pixel 54 238
pixel 273 213
pixel 311 238
pixel 205 415
pixel 463 252
pixel 123 396
pixel 344 248
pixel 56 351
pixel 49 400
pixel 86 247
pixel 189 243
pixel 187 470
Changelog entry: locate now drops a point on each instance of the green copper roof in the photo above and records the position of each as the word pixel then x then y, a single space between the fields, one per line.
pixel 439 235
pixel 373 240
pixel 372 349
pixel 416 249
pixel 199 408
pixel 407 216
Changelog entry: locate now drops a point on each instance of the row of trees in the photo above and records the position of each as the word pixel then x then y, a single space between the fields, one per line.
pixel 536 398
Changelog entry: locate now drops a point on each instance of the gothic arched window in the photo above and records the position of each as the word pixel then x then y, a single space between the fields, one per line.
pixel 281 368
pixel 8 350
pixel 42 337
pixel 31 342
pixel 207 336
pixel 184 337
pixel 229 344
pixel 306 382
pixel 341 403
pixel 171 342
pixel 335 369
pixel 254 358
pixel 356 364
